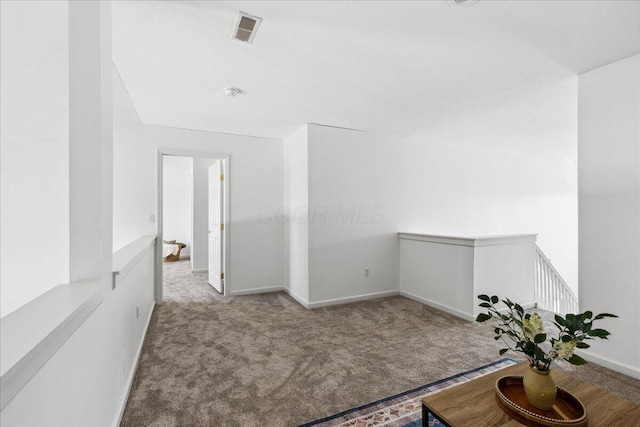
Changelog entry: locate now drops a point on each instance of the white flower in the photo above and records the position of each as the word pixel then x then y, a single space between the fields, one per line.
pixel 564 350
pixel 533 326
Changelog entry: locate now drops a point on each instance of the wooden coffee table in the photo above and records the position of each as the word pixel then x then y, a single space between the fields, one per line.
pixel 473 404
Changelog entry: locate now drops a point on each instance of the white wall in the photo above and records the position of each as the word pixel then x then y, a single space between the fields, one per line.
pixel 440 275
pixel 506 270
pixel 34 129
pixel 176 197
pixel 86 381
pixel 353 214
pixel 296 198
pixel 511 170
pixel 256 180
pixel 449 272
pixel 609 183
pixel 200 183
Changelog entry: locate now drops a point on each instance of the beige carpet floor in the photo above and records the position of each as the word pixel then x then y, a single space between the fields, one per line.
pixel 264 360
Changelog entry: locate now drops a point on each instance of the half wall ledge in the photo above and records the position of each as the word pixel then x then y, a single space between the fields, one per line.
pixel 506 239
pixel 32 334
pixel 448 272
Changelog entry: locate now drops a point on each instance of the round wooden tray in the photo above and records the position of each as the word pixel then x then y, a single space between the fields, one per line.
pixel 567 409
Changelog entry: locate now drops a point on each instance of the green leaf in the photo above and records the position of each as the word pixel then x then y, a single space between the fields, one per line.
pixel 600 333
pixel 560 321
pixel 587 314
pixel 503 351
pixel 494 299
pixel 483 317
pixel 576 360
pixel 603 315
pixel 582 345
pixel 484 297
pixel 540 354
pixel 485 305
pixel 566 338
pixel 529 347
pixel 519 308
pixel 540 338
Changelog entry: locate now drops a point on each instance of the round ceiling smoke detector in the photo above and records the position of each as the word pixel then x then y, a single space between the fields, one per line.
pixel 232 91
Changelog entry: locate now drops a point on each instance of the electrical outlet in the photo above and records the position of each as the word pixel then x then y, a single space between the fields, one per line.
pixel 137 311
pixel 366 271
pixel 151 218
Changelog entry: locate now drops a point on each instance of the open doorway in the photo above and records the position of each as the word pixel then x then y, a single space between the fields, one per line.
pixel 193 212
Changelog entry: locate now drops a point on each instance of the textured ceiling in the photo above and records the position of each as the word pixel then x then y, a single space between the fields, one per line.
pixel 398 67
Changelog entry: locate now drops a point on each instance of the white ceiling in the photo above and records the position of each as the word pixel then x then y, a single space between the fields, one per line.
pixel 399 67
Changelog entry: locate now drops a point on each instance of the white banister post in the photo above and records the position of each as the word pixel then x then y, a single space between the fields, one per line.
pixel 90 141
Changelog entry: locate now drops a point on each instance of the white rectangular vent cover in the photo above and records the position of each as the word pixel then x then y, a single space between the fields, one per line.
pixel 246 27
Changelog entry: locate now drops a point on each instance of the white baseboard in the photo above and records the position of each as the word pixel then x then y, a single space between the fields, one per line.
pixel 133 370
pixel 200 270
pixel 356 298
pixel 254 291
pixel 297 297
pixel 623 368
pixel 442 307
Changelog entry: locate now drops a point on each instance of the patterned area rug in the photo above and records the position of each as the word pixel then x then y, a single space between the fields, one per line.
pixel 404 409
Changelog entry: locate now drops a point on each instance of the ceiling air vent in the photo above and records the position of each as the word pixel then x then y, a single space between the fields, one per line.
pixel 246 27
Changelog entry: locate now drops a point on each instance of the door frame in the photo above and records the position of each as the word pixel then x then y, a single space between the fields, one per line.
pixel 215 178
pixel 226 243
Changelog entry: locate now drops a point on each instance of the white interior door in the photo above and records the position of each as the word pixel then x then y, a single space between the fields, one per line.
pixel 216 224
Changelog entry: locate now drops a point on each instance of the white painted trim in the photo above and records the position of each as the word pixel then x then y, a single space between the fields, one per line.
pixel 187 153
pixel 441 307
pixel 254 291
pixel 449 240
pixel 158 291
pixel 126 258
pixel 346 300
pixel 200 270
pixel 623 368
pixel 32 334
pixel 296 297
pixel 478 241
pixel 132 372
pixel 505 240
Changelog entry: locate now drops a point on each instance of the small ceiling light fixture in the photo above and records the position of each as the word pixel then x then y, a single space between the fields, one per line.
pixel 246 27
pixel 466 3
pixel 232 91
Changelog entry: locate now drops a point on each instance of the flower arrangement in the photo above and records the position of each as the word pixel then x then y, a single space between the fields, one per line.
pixel 525 333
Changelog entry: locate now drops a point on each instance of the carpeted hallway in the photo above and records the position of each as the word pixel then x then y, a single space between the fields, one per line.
pixel 265 360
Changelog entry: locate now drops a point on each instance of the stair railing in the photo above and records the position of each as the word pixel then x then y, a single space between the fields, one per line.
pixel 551 291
